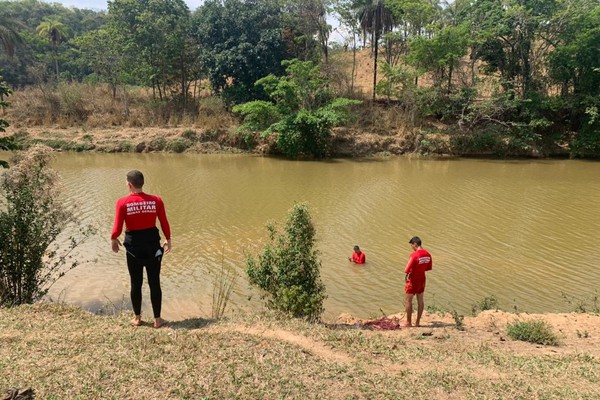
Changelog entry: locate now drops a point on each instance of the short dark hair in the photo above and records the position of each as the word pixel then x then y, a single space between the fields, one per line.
pixel 415 239
pixel 136 178
pixel 356 248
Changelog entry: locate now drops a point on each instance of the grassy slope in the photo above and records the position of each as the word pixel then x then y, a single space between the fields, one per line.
pixel 66 353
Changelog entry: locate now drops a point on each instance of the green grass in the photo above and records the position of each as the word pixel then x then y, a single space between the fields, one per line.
pixel 537 331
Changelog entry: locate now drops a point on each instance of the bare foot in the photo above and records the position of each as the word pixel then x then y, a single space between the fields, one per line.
pixel 137 321
pixel 406 325
pixel 159 322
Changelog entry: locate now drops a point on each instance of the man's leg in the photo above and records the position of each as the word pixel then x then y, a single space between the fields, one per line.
pixel 420 308
pixel 136 275
pixel 153 271
pixel 408 308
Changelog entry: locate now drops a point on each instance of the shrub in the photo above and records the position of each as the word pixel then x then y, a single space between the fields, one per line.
pixel 157 144
pixel 179 145
pixel 288 269
pixel 190 134
pixel 537 331
pixel 301 111
pixel 31 257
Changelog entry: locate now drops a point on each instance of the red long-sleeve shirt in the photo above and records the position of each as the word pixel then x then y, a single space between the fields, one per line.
pixel 358 258
pixel 139 211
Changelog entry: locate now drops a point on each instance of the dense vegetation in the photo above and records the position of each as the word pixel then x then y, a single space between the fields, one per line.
pixel 503 76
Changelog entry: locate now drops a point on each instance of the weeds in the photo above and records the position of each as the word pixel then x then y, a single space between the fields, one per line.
pixel 488 303
pixel 585 305
pixel 583 335
pixel 223 284
pixel 458 320
pixel 536 331
pixel 436 309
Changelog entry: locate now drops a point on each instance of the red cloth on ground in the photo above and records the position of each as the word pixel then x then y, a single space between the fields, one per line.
pixel 139 211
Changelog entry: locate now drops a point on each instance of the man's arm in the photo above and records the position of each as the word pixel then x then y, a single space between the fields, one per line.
pixel 164 225
pixel 117 227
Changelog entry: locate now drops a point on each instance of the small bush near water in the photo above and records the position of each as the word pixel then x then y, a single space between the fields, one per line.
pixel 288 269
pixel 31 255
pixel 537 331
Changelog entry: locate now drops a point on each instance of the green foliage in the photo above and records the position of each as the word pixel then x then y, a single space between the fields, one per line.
pixel 178 145
pixel 288 271
pixel 5 143
pixel 31 255
pixel 536 331
pixel 487 303
pixel 241 42
pixel 302 110
pixel 154 37
pixel 190 135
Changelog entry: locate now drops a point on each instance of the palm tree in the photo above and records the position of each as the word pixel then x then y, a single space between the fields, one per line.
pixel 375 18
pixel 55 31
pixel 9 37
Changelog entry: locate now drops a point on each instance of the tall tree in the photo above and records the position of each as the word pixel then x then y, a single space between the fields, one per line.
pixel 54 31
pixel 348 17
pixel 309 18
pixel 155 32
pixel 376 19
pixel 241 42
pixel 9 37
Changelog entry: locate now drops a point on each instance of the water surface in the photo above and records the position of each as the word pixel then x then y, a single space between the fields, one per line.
pixel 523 231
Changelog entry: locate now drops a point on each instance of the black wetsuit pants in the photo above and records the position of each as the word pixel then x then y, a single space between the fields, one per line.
pixel 143 250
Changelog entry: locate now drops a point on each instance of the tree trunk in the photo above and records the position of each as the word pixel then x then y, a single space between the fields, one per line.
pixel 450 68
pixel 353 62
pixel 375 64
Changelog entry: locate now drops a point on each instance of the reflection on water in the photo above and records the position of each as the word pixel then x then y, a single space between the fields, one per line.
pixel 524 231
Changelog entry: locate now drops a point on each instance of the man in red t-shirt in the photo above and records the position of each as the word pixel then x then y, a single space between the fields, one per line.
pixel 139 211
pixel 358 257
pixel 419 262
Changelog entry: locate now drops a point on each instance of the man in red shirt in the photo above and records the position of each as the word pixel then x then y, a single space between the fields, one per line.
pixel 358 256
pixel 419 262
pixel 139 211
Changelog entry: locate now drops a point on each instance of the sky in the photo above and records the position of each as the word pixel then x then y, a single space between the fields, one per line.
pixel 102 4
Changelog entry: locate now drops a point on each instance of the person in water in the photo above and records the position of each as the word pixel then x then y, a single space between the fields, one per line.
pixel 358 257
pixel 139 212
pixel 418 262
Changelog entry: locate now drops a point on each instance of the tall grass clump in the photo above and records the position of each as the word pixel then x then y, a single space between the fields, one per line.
pixel 288 270
pixel 31 255
pixel 223 284
pixel 536 331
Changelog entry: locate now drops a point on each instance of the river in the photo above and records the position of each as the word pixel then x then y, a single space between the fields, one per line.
pixel 523 231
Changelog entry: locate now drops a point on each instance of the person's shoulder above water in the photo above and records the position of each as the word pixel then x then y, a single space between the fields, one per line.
pixel 358 257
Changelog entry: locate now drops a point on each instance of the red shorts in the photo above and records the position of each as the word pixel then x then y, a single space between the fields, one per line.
pixel 414 286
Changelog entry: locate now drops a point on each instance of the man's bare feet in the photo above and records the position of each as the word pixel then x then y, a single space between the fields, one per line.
pixel 158 322
pixel 406 325
pixel 137 321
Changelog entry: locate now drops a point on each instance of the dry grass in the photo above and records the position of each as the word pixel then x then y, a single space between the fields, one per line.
pixel 93 106
pixel 64 352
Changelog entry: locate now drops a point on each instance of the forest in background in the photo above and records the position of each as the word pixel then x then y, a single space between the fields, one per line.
pixel 509 77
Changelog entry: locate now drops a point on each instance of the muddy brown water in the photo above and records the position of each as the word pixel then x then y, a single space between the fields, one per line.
pixel 523 231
